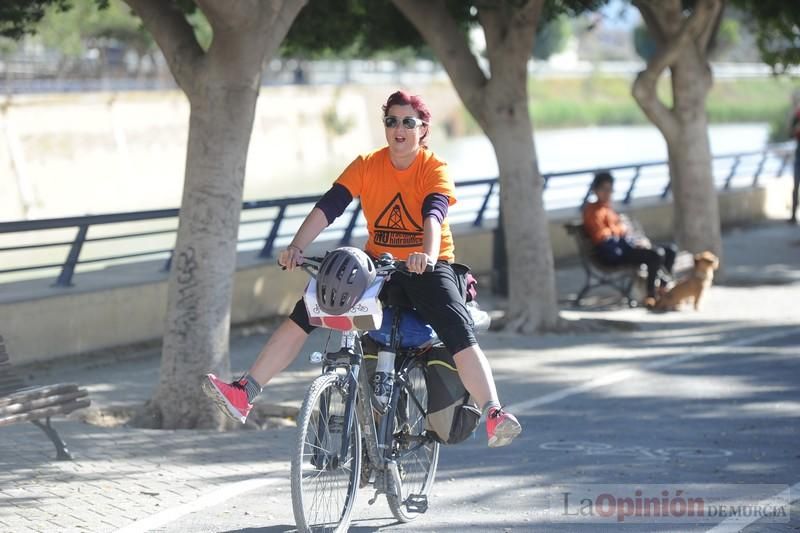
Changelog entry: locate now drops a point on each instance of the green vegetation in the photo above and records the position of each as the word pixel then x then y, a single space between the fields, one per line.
pixel 552 37
pixel 775 23
pixel 606 101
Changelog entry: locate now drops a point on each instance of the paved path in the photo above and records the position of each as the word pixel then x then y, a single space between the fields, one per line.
pixel 684 398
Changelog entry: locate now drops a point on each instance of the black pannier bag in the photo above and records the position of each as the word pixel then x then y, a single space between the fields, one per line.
pixel 452 413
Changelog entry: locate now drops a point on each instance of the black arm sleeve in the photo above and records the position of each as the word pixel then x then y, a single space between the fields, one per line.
pixel 334 202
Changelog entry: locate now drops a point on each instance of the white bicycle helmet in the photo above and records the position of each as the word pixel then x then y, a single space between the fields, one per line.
pixel 344 275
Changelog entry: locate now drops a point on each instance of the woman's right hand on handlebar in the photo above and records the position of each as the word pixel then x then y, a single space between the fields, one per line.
pixel 291 257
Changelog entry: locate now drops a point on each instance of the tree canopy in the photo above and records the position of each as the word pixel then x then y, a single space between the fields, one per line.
pixel 18 17
pixel 357 28
pixel 725 38
pixel 72 31
pixel 362 28
pixel 775 23
pixel 777 27
pixel 551 37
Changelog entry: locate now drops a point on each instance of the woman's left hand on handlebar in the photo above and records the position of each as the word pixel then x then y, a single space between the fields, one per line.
pixel 418 262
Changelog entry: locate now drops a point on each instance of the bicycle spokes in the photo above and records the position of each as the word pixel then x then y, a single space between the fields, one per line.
pixel 414 454
pixel 325 474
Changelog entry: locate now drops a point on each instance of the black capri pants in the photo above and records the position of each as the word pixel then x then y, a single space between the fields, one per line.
pixel 437 296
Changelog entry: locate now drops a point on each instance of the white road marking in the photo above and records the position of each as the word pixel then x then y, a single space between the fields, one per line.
pixel 216 496
pixel 627 373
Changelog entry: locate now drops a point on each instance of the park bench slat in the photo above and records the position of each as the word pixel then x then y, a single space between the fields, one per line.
pixel 34 392
pixel 21 403
pixel 45 412
pixel 25 403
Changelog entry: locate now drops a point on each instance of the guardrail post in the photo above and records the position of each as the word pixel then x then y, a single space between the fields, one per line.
pixel 479 217
pixel 734 167
pixel 269 243
pixel 629 194
pixel 585 197
pixel 784 162
pixel 68 269
pixel 668 188
pixel 348 232
pixel 760 168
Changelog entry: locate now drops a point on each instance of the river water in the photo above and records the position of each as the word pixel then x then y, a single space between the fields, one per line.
pixel 586 148
pixel 558 150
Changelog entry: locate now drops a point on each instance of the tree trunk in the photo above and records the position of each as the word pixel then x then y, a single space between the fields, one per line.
pixel 683 48
pixel 500 106
pixel 222 85
pixel 696 208
pixel 532 303
pixel 204 261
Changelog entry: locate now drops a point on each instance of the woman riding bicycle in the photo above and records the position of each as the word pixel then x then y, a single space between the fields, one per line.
pixel 405 193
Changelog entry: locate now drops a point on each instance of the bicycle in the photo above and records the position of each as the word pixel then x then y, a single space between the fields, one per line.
pixel 348 440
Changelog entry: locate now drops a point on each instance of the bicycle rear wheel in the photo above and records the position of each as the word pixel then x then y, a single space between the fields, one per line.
pixel 325 481
pixel 416 454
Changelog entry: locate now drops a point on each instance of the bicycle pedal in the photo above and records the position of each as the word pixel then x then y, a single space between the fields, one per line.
pixel 417 503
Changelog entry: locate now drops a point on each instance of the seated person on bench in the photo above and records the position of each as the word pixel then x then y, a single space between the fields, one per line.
pixel 613 240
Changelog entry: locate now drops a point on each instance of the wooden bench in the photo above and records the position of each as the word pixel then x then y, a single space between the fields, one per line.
pixel 621 278
pixel 20 403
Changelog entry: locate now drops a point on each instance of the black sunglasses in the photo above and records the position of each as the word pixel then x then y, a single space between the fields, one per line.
pixel 409 123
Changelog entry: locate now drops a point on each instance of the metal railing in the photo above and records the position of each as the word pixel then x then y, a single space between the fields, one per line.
pixel 266 224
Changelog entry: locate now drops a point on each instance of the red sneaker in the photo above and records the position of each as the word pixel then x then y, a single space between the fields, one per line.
pixel 501 427
pixel 231 398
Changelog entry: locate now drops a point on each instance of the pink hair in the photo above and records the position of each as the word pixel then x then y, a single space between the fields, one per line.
pixel 416 103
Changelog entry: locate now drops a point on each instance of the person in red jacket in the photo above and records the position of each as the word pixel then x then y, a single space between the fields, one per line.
pixel 615 243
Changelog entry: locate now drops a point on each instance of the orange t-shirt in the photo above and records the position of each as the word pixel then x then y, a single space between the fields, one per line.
pixel 392 201
pixel 601 222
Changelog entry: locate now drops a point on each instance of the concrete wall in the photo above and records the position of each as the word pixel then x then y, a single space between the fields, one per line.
pixel 81 153
pixel 42 323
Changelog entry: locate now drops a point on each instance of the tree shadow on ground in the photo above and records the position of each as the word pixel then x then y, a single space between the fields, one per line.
pixel 723 417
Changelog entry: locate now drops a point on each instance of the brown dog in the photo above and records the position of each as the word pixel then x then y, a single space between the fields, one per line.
pixel 692 287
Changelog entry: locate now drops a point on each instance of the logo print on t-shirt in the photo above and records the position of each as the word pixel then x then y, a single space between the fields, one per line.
pixel 395 227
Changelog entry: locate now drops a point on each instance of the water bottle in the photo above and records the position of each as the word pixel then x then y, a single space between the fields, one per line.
pixel 384 377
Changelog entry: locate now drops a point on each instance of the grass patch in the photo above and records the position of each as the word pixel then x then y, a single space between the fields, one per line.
pixel 600 100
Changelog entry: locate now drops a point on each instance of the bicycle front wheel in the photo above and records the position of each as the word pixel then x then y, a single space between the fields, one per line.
pixel 324 476
pixel 415 453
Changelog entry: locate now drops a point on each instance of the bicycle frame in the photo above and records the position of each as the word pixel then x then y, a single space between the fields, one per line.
pixel 347 361
pixel 386 435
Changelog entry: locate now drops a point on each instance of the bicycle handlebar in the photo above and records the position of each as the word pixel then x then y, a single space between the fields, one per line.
pixel 384 265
